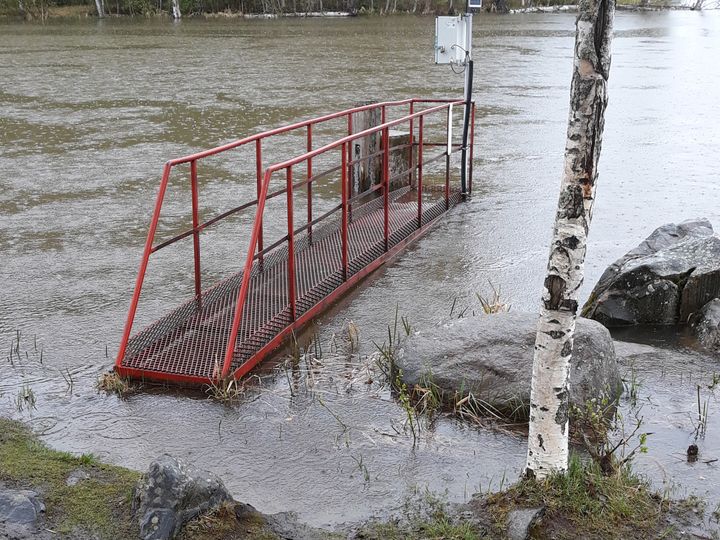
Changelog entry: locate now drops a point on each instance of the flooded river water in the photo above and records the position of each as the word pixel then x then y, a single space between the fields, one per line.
pixel 89 111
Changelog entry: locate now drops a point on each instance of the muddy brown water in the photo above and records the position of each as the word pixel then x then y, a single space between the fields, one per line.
pixel 90 110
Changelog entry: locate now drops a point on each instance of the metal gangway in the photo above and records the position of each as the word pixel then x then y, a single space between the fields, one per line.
pixel 388 191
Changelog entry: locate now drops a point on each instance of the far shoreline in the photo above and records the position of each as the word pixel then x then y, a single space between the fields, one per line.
pixel 81 12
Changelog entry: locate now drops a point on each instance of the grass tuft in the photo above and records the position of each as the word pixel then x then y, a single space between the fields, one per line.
pixel 227 390
pixel 493 303
pixel 586 502
pixel 112 383
pixel 425 516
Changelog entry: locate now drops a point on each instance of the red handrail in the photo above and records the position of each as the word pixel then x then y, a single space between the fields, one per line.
pixel 288 164
pixel 263 181
pixel 291 127
pixel 193 158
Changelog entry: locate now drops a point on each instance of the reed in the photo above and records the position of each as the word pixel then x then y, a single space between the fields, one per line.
pixel 112 383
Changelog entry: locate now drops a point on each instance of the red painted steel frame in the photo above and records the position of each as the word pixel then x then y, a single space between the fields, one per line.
pixel 330 299
pixel 256 241
pixel 384 128
pixel 309 182
pixel 195 223
pixel 344 219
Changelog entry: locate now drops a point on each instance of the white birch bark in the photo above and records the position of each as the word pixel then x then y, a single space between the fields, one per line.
pixel 548 433
pixel 100 8
pixel 176 10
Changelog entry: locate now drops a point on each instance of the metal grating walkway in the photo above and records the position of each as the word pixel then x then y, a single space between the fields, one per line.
pixel 189 343
pixel 392 180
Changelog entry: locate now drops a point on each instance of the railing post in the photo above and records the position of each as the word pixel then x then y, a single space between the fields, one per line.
pixel 245 284
pixel 309 183
pixel 143 266
pixel 411 142
pixel 259 175
pixel 447 157
pixel 421 129
pixel 472 148
pixel 349 154
pixel 195 223
pixel 291 244
pixel 386 184
pixel 344 190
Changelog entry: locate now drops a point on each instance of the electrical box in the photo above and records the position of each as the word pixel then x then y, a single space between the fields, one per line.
pixel 450 40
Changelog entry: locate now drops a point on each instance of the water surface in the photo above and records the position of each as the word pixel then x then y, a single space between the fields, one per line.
pixel 89 111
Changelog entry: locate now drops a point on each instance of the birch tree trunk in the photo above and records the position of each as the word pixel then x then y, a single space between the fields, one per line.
pixel 100 8
pixel 176 10
pixel 548 435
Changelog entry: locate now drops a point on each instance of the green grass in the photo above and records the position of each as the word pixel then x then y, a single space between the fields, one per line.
pixel 437 529
pixel 584 503
pixel 99 506
pixel 224 524
pixel 425 516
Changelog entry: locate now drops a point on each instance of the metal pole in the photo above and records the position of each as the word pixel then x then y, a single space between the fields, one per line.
pixel 448 152
pixel 195 223
pixel 466 126
pixel 472 149
pixel 386 183
pixel 349 155
pixel 411 143
pixel 344 190
pixel 245 284
pixel 291 244
pixel 468 102
pixel 421 128
pixel 259 173
pixel 309 184
pixel 143 265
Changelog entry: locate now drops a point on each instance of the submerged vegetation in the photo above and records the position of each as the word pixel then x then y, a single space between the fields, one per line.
pixel 584 503
pixel 112 383
pixel 599 497
pixel 424 515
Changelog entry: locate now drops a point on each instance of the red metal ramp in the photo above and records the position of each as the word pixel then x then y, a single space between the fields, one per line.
pixel 227 329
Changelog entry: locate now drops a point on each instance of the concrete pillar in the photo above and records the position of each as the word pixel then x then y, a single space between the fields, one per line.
pixel 367 172
pixel 400 159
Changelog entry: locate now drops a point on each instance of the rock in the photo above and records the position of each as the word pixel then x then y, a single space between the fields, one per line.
pixel 519 522
pixel 648 360
pixel 20 511
pixel 172 493
pixel 664 280
pixel 491 357
pixel 76 477
pixel 706 325
pixel 20 507
pixel 286 525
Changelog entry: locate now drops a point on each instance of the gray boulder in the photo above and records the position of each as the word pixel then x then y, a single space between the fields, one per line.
pixel 491 356
pixel 20 511
pixel 706 325
pixel 20 507
pixel 172 493
pixel 664 280
pixel 521 521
